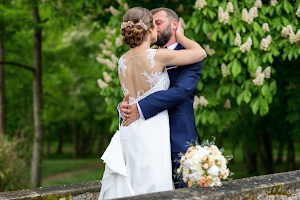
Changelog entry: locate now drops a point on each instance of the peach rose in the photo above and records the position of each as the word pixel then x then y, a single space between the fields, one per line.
pixel 190 184
pixel 202 179
pixel 205 166
pixel 219 162
pixel 188 156
pixel 199 184
pixel 211 162
pixel 204 158
pixel 191 148
pixel 206 184
pixel 209 178
pixel 214 152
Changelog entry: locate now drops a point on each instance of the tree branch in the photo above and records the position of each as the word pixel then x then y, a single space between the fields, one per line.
pixel 18 64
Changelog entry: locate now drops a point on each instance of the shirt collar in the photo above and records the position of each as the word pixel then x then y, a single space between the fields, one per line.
pixel 173 46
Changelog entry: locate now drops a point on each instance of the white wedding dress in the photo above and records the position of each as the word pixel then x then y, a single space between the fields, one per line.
pixel 138 158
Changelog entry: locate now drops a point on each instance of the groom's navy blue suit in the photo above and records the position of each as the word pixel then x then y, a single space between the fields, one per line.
pixel 178 99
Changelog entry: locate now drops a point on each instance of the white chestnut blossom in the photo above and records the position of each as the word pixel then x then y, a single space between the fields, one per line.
pixel 200 4
pixel 247 45
pixel 273 2
pixel 229 7
pixel 108 43
pixel 294 37
pixel 223 16
pixel 114 58
pixel 223 70
pixel 258 3
pixel 101 60
pixel 286 31
pixel 237 40
pixel 126 6
pixel 259 80
pixel 298 11
pixel 114 11
pixel 196 101
pixel 208 35
pixel 208 50
pixel 102 46
pixel 253 11
pixel 119 41
pixel 182 23
pixel 180 8
pixel 227 104
pixel 265 27
pixel 107 53
pixel 111 65
pixel 247 17
pixel 203 101
pixel 265 42
pixel 102 84
pixel 107 77
pixel 267 72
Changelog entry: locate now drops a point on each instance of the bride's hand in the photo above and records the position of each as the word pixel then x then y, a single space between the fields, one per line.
pixel 179 31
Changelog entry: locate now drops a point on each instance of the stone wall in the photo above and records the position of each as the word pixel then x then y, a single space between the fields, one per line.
pixel 268 187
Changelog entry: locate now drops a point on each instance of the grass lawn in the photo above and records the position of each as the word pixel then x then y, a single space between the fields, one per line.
pixel 84 177
pixel 54 166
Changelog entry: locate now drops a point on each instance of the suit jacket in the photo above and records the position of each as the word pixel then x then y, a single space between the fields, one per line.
pixel 178 99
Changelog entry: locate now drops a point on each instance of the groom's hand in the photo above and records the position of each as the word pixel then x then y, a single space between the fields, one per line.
pixel 133 116
pixel 124 107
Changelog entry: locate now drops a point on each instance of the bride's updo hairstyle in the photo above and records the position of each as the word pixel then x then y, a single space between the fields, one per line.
pixel 135 24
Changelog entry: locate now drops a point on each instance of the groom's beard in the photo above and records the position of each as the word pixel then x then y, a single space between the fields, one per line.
pixel 164 36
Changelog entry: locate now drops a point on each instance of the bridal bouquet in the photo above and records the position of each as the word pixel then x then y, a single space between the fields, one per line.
pixel 204 165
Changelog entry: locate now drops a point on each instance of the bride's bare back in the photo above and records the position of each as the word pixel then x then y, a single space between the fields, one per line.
pixel 138 71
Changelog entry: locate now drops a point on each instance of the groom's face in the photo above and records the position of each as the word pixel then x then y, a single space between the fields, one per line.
pixel 164 28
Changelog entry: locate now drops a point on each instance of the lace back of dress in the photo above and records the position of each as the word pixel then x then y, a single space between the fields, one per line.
pixel 139 73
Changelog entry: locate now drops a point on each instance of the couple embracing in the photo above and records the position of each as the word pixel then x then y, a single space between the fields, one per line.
pixel 159 85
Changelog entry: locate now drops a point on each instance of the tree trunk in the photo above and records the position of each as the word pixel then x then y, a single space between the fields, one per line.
pixel 61 142
pixel 74 135
pixel 48 143
pixel 280 152
pixel 2 87
pixel 266 155
pixel 250 158
pixel 27 123
pixel 291 154
pixel 36 164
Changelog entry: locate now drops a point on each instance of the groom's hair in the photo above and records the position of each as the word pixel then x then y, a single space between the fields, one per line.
pixel 170 13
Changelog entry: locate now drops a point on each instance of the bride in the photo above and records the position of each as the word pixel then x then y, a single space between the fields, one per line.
pixel 138 158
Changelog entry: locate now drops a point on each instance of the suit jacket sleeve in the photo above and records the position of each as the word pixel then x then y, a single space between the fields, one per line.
pixel 186 83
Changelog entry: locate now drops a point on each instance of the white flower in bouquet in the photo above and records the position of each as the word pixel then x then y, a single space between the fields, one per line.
pixel 203 166
pixel 265 27
pixel 258 3
pixel 213 170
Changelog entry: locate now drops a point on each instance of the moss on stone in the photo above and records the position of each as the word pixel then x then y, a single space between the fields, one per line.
pixel 278 191
pixel 53 197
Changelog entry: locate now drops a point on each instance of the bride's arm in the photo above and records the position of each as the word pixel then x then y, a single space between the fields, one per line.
pixel 192 53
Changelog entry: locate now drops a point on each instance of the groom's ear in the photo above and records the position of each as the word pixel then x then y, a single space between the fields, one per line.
pixel 175 24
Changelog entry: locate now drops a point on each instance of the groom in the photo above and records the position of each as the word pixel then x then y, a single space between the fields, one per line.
pixel 178 99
